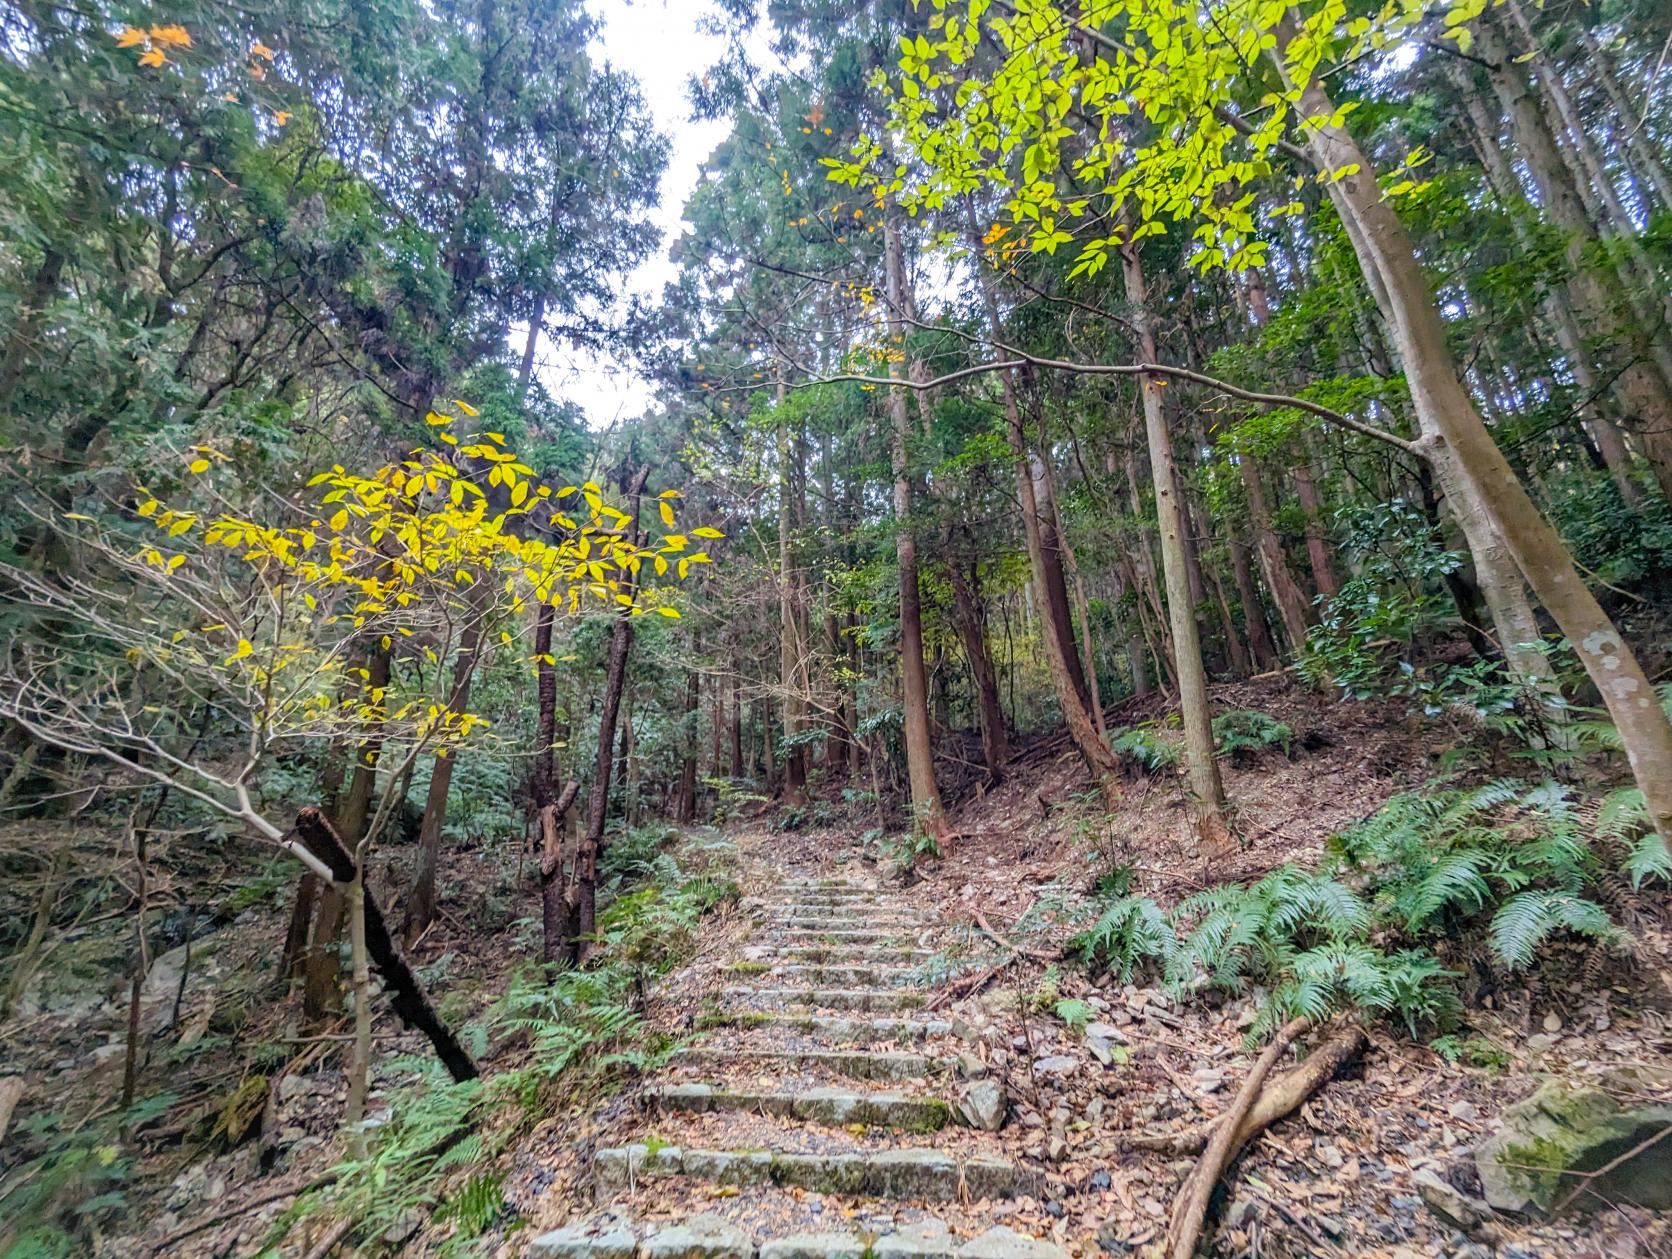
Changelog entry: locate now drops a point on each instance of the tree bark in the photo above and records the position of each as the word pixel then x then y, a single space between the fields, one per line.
pixel 1061 656
pixel 319 986
pixel 1640 381
pixel 1274 565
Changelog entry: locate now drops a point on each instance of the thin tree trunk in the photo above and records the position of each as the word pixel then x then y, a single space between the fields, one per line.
pixel 972 628
pixel 1213 830
pixel 581 896
pixel 1061 657
pixel 928 816
pixel 420 907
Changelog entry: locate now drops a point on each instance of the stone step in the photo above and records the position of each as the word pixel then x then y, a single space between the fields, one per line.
pixel 840 913
pixel 710 1236
pixel 844 1031
pixel 893 953
pixel 853 1064
pixel 855 922
pixel 827 998
pixel 800 937
pixel 832 1107
pixel 833 975
pixel 926 1174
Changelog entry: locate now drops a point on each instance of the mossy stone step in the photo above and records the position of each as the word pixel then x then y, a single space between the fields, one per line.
pixel 829 998
pixel 929 1175
pixel 829 1027
pixel 834 1108
pixel 853 1064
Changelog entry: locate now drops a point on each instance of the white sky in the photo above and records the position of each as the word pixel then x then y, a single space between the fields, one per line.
pixel 659 41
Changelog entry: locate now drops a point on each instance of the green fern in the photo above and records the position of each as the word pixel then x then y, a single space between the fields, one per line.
pixel 1527 919
pixel 1131 930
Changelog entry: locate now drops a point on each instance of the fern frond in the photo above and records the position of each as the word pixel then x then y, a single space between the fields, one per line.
pixel 1527 919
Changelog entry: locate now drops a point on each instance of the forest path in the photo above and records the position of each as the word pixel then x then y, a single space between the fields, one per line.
pixel 816 1115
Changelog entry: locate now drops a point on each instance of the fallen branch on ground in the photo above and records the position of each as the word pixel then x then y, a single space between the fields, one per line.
pixel 1283 1096
pixel 1194 1194
pixel 996 938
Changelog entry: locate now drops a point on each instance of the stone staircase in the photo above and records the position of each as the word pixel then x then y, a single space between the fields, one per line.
pixel 817 1114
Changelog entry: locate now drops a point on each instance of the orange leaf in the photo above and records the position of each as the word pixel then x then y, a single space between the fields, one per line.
pixel 281 116
pixel 152 58
pixel 173 35
pixel 259 49
pixel 129 37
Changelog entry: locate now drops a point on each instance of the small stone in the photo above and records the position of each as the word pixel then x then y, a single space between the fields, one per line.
pixel 1055 1064
pixel 1208 1079
pixel 1056 1150
pixel 970 1067
pixel 981 1104
pixel 922 1239
pixel 1552 1022
pixel 1541 1043
pixel 602 1237
pixel 1446 1201
pixel 1464 1112
pixel 1100 1179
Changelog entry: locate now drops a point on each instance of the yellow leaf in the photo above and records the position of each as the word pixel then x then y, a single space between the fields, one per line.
pixel 172 35
pixel 667 514
pixel 466 408
pixel 259 49
pixel 339 522
pixel 152 58
pixel 198 465
pixel 281 116
pixel 245 648
pixel 130 36
pixel 435 418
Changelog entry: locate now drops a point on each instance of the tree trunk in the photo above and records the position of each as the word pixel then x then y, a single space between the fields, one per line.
pixel 928 817
pixel 1591 401
pixel 685 804
pixel 1317 549
pixel 972 628
pixel 1061 657
pixel 410 1000
pixel 1274 565
pixel 789 619
pixel 420 906
pixel 1213 831
pixel 319 987
pixel 1385 249
pixel 1253 613
pixel 1640 382
pixel 581 893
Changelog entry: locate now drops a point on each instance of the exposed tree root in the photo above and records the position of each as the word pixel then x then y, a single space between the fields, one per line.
pixel 1283 1095
pixel 1254 1109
